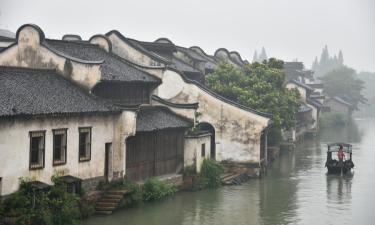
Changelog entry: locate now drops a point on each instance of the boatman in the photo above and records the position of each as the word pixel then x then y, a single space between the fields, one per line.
pixel 340 155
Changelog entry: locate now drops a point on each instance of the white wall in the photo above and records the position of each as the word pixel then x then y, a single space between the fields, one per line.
pixel 15 147
pixel 192 150
pixel 237 131
pixel 30 53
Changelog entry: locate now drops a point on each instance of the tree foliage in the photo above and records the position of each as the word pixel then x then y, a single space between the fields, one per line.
pixel 259 86
pixel 344 83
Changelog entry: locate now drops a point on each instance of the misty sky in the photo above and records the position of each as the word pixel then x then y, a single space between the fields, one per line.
pixel 289 29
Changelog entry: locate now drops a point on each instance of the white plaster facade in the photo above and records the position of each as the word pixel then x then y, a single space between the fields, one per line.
pixel 193 150
pixel 29 51
pixel 15 148
pixel 237 130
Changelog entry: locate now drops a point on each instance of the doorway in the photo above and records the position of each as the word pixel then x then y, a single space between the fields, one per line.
pixel 107 160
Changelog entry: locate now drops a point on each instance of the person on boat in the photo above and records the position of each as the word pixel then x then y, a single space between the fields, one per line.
pixel 341 155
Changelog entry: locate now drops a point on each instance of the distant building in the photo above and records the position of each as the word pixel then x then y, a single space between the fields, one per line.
pixel 338 105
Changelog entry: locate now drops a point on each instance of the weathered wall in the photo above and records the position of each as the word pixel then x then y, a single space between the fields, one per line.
pixel 125 126
pixel 237 130
pixel 30 53
pixel 15 147
pixel 339 108
pixel 315 116
pixel 192 150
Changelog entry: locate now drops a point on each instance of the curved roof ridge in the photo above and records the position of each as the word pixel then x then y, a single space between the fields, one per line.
pixel 176 105
pixel 164 39
pixel 138 47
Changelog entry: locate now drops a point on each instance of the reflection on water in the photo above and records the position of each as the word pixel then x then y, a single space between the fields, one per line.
pixel 295 190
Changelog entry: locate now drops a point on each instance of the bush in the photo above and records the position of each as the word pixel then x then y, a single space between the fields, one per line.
pixel 43 207
pixel 331 119
pixel 210 175
pixel 86 208
pixel 135 195
pixel 154 189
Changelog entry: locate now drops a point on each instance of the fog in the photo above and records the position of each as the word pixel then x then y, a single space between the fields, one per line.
pixel 288 29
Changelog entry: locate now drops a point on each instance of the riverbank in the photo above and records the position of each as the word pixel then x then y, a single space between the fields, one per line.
pixel 295 190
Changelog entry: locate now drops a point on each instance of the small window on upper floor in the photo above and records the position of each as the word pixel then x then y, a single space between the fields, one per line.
pixel 59 146
pixel 203 150
pixel 37 149
pixel 84 144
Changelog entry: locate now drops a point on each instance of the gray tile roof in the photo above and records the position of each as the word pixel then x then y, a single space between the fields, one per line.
pixel 192 54
pixel 113 67
pixel 183 66
pixel 150 118
pixel 30 92
pixel 305 86
pixel 304 108
pixel 342 101
pixel 314 103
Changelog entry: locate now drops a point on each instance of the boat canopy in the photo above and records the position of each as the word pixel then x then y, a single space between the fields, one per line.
pixel 334 147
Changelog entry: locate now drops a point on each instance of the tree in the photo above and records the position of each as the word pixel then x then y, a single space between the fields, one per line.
pixel 344 83
pixel 259 86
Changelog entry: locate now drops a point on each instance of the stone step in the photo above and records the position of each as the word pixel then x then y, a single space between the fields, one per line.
pixel 113 196
pixel 104 208
pixel 104 212
pixel 106 204
pixel 113 200
pixel 117 192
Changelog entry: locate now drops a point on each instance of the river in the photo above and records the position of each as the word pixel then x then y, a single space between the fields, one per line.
pixel 295 190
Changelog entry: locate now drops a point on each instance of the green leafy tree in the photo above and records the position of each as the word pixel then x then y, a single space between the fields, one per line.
pixel 344 83
pixel 259 86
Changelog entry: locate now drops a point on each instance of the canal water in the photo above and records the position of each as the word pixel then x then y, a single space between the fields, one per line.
pixel 295 190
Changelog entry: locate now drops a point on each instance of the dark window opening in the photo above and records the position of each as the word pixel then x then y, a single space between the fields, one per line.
pixel 84 144
pixel 37 149
pixel 59 146
pixel 203 150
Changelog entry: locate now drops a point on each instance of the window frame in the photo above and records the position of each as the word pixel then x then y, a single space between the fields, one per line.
pixel 84 159
pixel 54 131
pixel 44 149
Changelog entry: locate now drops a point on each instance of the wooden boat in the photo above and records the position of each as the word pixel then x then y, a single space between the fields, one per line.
pixel 335 165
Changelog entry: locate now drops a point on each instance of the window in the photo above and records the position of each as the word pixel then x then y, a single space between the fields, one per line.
pixel 37 141
pixel 84 144
pixel 59 146
pixel 203 150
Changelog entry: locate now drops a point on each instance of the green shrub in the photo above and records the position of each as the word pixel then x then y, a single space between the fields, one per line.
pixel 86 208
pixel 154 189
pixel 64 206
pixel 43 207
pixel 210 175
pixel 331 119
pixel 135 195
